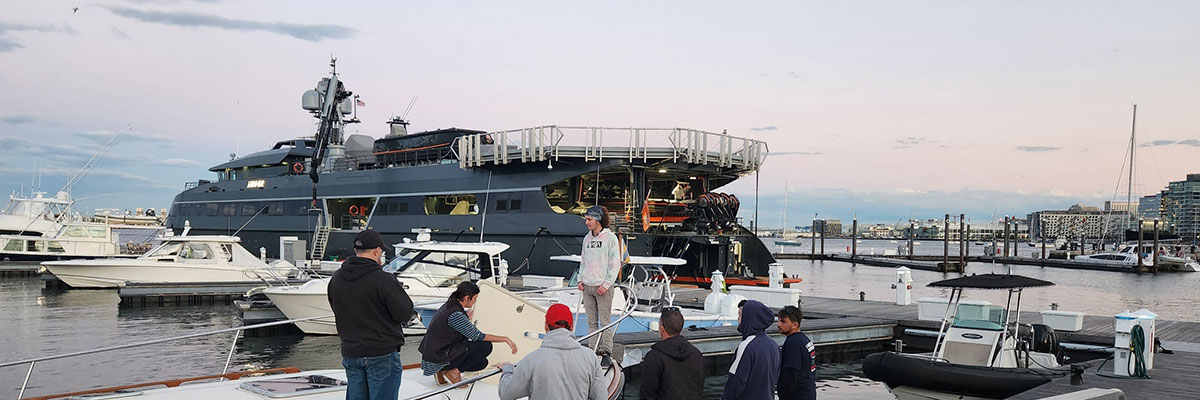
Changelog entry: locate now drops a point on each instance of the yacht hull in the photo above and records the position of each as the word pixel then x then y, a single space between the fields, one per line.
pixel 112 273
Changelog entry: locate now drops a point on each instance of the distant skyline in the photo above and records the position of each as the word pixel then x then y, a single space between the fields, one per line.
pixel 884 109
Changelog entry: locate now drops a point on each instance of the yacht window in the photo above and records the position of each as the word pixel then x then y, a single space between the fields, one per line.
pixel 276 208
pixel 228 248
pixel 77 231
pixel 14 245
pixel 501 205
pixel 438 269
pixel 98 232
pixel 248 209
pixel 55 247
pixel 514 205
pixel 455 204
pixel 229 209
pixel 35 245
pixel 196 251
pixel 168 249
pixel 210 209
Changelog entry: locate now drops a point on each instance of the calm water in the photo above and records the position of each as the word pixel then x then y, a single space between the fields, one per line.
pixel 40 322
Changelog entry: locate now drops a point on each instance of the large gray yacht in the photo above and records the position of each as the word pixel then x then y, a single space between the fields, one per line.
pixel 525 187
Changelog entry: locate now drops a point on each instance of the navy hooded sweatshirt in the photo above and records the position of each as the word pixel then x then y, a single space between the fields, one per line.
pixel 755 370
pixel 369 307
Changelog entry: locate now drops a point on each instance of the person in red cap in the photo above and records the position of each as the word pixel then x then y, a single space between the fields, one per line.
pixel 560 369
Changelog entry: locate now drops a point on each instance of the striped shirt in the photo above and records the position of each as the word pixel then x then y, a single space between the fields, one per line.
pixel 459 322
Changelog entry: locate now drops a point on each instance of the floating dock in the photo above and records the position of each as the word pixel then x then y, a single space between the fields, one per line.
pixel 189 294
pixel 14 270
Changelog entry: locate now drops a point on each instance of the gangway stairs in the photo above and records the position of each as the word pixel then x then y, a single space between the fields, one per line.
pixel 320 240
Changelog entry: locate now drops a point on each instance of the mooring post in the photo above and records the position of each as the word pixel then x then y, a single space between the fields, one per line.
pixel 962 244
pixel 854 238
pixel 912 231
pixel 1005 252
pixel 1156 245
pixel 824 229
pixel 946 243
pixel 968 242
pixel 1139 246
pixel 1042 236
pixel 813 234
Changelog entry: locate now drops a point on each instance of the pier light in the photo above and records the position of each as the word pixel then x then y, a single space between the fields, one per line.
pixel 662 170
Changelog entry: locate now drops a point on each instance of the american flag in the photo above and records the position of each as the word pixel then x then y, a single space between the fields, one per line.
pixel 359 102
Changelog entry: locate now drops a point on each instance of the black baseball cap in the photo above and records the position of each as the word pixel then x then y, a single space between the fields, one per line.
pixel 368 239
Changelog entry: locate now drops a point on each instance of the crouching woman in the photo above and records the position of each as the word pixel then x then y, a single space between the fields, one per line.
pixel 452 344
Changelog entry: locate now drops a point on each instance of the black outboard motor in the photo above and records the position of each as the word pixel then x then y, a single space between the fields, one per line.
pixel 1044 340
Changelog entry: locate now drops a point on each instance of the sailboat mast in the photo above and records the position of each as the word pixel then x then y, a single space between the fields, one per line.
pixel 1129 188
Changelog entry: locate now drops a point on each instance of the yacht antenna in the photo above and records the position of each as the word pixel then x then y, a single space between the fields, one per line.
pixel 410 106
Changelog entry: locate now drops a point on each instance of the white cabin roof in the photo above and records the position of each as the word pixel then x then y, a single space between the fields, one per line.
pixel 203 238
pixel 633 260
pixel 489 248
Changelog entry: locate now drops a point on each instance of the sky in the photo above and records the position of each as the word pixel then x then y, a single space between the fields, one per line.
pixel 879 109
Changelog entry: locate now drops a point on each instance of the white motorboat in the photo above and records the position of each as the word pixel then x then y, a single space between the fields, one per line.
pixel 1127 257
pixel 179 259
pixel 502 313
pixel 429 272
pixel 37 215
pixel 79 239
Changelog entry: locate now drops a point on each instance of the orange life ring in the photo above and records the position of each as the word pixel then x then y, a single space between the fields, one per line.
pixel 362 211
pixel 354 210
pixel 298 168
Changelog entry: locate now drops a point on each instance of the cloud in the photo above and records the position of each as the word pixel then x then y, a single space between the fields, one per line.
pixel 765 128
pixel 118 33
pixel 1185 142
pixel 17 119
pixel 1157 143
pixel 312 33
pixel 1037 149
pixel 909 142
pixel 179 162
pixel 8 44
pixel 796 153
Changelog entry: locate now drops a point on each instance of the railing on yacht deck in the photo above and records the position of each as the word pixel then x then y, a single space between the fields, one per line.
pixel 238 330
pixel 552 142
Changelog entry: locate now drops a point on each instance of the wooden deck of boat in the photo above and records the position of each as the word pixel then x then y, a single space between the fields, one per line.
pixel 1173 377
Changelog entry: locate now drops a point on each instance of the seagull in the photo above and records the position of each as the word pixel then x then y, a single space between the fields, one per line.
pixel 74 10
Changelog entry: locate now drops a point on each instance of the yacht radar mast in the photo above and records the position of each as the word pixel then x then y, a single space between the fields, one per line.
pixel 329 102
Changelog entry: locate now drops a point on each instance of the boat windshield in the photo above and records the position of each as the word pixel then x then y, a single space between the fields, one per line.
pixel 168 249
pixel 435 268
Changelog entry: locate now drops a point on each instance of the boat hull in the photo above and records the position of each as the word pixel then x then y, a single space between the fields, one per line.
pixel 900 370
pixel 112 273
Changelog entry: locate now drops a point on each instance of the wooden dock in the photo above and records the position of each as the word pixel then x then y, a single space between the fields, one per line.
pixel 953 264
pixel 16 270
pixel 200 293
pixel 1173 377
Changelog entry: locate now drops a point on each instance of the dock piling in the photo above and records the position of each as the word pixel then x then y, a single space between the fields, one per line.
pixel 912 230
pixel 946 244
pixel 962 243
pixel 854 238
pixel 1156 245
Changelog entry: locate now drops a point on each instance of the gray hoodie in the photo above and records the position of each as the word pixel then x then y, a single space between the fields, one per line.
pixel 561 369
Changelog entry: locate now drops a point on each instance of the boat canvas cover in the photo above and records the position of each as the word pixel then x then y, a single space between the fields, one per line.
pixel 992 281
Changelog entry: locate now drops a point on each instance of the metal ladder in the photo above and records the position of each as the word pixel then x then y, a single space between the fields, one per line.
pixel 320 239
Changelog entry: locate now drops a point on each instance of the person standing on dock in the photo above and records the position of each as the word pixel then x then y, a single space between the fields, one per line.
pixel 598 271
pixel 798 368
pixel 673 369
pixel 561 369
pixel 370 307
pixel 755 368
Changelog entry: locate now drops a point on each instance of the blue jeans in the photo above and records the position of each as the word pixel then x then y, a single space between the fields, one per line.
pixel 373 378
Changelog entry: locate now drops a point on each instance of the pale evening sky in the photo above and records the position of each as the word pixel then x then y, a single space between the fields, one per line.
pixel 882 108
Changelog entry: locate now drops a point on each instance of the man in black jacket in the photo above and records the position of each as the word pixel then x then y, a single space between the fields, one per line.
pixel 369 306
pixel 798 370
pixel 673 369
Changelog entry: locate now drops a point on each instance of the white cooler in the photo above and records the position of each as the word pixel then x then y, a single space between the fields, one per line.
pixel 1070 321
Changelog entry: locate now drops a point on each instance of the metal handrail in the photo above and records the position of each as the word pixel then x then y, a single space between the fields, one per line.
pixel 631 306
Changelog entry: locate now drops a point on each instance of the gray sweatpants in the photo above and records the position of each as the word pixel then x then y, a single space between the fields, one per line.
pixel 599 313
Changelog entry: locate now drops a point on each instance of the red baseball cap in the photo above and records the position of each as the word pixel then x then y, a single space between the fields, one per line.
pixel 559 314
